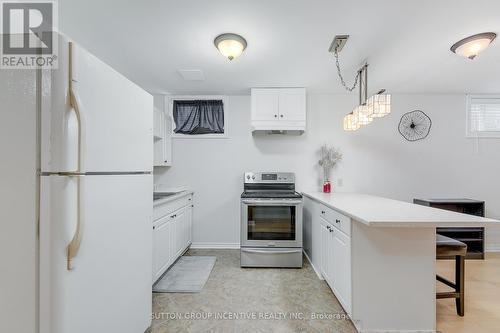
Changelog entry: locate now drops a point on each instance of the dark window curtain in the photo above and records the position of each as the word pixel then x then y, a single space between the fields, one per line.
pixel 198 117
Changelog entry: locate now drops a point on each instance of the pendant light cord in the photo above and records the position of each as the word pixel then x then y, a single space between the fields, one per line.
pixel 339 72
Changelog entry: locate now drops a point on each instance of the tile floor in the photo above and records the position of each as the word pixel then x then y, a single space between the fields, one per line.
pixel 251 293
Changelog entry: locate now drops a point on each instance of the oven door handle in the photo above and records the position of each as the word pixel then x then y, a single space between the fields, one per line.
pixel 271 202
pixel 273 251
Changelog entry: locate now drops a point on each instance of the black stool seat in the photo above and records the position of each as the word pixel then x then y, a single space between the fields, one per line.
pixel 449 248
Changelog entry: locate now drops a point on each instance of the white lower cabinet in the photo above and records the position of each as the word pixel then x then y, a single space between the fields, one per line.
pixel 335 261
pixel 162 254
pixel 326 252
pixel 171 233
pixel 341 249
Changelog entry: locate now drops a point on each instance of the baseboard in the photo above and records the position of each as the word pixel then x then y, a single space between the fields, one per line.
pixel 492 248
pixel 207 245
pixel 312 265
pixel 359 328
pixel 397 331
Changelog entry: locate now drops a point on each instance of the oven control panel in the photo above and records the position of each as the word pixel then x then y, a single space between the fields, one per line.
pixel 269 177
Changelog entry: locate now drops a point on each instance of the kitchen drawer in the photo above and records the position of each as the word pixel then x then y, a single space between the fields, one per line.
pixel 337 219
pixel 170 207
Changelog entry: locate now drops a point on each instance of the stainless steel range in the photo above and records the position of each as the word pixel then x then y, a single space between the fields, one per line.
pixel 271 221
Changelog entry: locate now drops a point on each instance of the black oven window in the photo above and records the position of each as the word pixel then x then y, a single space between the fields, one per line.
pixel 271 223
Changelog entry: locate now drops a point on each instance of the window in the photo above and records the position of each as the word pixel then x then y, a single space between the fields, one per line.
pixel 198 116
pixel 483 116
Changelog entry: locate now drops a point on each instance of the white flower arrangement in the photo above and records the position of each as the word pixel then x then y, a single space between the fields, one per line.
pixel 329 157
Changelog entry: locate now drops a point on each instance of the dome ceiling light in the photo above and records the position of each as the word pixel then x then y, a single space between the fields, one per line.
pixel 471 46
pixel 230 45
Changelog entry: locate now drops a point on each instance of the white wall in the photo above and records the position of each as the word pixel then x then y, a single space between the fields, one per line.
pixel 377 160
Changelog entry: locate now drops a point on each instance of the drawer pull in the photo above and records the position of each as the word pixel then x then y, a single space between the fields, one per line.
pixel 328 227
pixel 337 221
pixel 322 212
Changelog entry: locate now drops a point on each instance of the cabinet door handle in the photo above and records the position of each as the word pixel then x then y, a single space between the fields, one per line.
pixel 281 115
pixel 275 116
pixel 331 230
pixel 328 227
pixel 322 212
pixel 337 221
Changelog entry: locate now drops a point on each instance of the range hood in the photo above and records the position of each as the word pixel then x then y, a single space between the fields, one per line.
pixel 275 130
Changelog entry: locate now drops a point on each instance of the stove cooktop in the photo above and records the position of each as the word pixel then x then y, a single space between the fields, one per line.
pixel 268 194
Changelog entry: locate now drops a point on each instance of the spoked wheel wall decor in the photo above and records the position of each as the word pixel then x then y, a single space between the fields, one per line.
pixel 415 125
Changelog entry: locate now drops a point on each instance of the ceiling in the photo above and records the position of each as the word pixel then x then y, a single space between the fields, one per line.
pixel 406 43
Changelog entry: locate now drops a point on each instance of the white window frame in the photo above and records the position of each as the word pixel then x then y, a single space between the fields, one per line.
pixel 225 101
pixel 472 134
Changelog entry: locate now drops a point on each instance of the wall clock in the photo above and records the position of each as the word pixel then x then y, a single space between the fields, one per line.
pixel 415 125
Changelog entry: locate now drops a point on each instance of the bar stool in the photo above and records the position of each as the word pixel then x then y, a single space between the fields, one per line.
pixel 449 248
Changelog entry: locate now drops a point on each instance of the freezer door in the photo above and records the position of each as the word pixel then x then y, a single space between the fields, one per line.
pixel 115 123
pixel 109 287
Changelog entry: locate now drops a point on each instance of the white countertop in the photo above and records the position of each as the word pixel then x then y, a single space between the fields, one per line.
pixel 382 212
pixel 173 197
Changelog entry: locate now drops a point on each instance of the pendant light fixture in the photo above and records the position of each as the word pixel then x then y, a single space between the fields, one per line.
pixel 230 45
pixel 351 122
pixel 376 106
pixel 471 46
pixel 379 105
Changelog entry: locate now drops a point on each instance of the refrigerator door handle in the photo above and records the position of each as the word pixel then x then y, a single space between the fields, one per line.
pixel 73 100
pixel 74 245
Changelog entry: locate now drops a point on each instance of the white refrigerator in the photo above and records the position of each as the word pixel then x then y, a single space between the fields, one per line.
pixel 96 187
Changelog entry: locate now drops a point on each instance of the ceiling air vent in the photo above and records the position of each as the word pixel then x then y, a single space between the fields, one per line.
pixel 192 74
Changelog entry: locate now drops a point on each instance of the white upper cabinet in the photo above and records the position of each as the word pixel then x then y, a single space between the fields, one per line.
pixel 162 138
pixel 265 104
pixel 279 109
pixel 292 104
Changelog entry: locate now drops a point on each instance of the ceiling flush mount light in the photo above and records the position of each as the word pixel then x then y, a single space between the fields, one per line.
pixel 377 106
pixel 230 45
pixel 471 46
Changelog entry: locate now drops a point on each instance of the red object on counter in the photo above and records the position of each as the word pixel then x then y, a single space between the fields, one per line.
pixel 327 187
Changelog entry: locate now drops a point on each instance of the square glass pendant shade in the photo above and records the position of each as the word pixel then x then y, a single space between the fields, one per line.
pixel 378 105
pixel 351 122
pixel 363 114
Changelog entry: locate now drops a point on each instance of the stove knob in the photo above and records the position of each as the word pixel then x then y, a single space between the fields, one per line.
pixel 253 177
pixel 248 176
